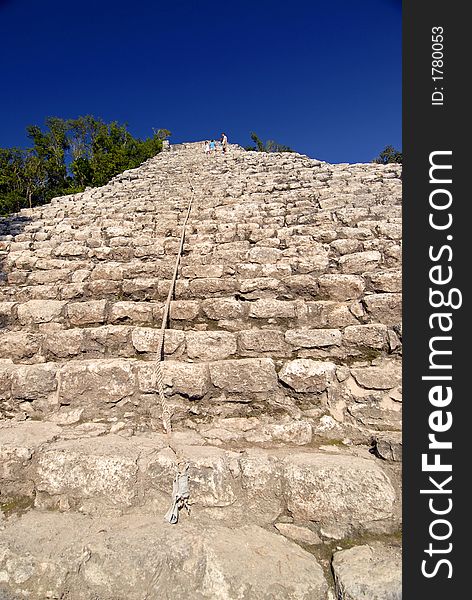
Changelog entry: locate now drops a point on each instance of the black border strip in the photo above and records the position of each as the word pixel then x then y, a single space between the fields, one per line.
pixel 439 128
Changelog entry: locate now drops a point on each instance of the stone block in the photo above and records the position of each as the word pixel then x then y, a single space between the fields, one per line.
pixel 40 311
pixel 245 375
pixel 307 375
pixel 210 345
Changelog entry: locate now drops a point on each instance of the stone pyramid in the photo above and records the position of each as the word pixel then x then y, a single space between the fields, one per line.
pixel 282 368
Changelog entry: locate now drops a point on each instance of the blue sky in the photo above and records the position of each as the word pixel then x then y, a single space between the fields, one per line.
pixel 323 77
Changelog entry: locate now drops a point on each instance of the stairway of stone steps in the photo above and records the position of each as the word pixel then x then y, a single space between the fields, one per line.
pixel 282 366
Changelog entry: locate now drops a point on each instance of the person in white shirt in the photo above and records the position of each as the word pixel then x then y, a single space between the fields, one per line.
pixel 224 142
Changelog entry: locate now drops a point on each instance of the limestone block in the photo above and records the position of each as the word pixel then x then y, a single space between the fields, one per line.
pixel 313 338
pixel 210 345
pixel 202 271
pixel 259 283
pixel 71 249
pixel 114 340
pixel 64 343
pixel 244 375
pixel 370 336
pixel 267 308
pixel 184 310
pixel 360 262
pixel 384 308
pixel 369 571
pixel 40 311
pixel 142 288
pixel 327 314
pixel 337 488
pixel 6 310
pixel 307 375
pixel 18 443
pixel 187 379
pixel 6 372
pixel 264 255
pixel 201 288
pixel 262 481
pixel 297 533
pixel 85 313
pixel 39 553
pixel 136 312
pixel 146 339
pixel 346 246
pixel 96 382
pixel 214 474
pixel 98 468
pixel 341 287
pixel 265 340
pixel 19 345
pixel 222 308
pixel 387 281
pixel 302 284
pixel 382 377
pixel 31 382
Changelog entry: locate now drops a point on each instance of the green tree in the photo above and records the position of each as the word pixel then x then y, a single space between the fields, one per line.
pixel 269 146
pixel 68 155
pixel 389 155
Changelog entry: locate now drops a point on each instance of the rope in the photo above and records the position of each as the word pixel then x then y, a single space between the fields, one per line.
pixel 158 379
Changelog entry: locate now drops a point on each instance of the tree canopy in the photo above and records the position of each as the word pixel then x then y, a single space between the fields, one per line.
pixel 268 146
pixel 66 156
pixel 389 155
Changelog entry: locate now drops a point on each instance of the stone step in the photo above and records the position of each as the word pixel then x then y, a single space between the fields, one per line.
pixel 211 309
pixel 52 555
pixel 365 397
pixel 81 469
pixel 193 343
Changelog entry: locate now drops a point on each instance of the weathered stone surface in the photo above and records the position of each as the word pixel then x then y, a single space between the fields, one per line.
pixel 256 341
pixel 99 382
pixel 84 313
pixel 131 311
pixel 18 443
pixel 329 314
pixel 268 308
pixel 105 470
pixel 222 308
pixel 306 375
pixel 18 345
pixel 302 284
pixel 210 345
pixel 64 343
pixel 184 310
pixel 285 260
pixel 30 382
pixel 313 338
pixel 146 339
pixel 341 287
pixel 244 375
pixel 304 535
pixel 385 308
pixel 40 311
pixel 338 488
pixel 360 262
pixel 370 572
pixel 114 558
pixel 191 380
pixel 370 336
pixel 386 281
pixel 382 377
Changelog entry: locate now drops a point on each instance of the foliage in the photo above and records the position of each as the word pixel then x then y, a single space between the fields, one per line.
pixel 389 155
pixel 269 146
pixel 67 156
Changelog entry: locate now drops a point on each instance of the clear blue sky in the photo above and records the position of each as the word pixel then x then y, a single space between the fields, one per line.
pixel 323 77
